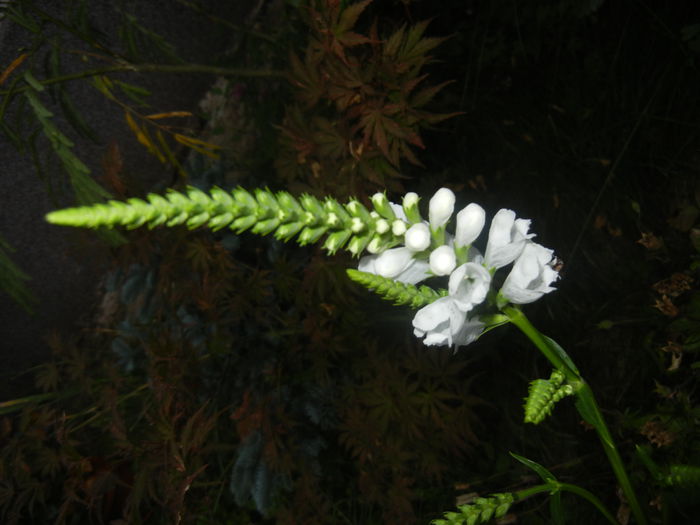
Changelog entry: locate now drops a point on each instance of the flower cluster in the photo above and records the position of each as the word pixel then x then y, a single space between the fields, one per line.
pixel 429 250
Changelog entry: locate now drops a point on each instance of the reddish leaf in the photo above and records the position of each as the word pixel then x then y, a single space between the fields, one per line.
pixel 349 16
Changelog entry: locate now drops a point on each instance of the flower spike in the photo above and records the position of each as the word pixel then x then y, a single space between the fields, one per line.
pixel 400 293
pixel 543 395
pixel 351 226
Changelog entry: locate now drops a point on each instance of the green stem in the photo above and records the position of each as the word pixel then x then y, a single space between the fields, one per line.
pixel 585 403
pixel 579 491
pixel 559 361
pixel 156 68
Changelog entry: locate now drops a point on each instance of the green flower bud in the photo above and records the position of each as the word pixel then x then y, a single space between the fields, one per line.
pixel 289 230
pixel 197 220
pixel 358 243
pixel 382 206
pixel 410 207
pixel 241 224
pixel 266 226
pixel 336 241
pixel 310 235
pixel 221 221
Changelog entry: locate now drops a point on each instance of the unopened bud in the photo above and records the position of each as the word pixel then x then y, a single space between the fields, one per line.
pixel 443 260
pixel 440 209
pixel 470 222
pixel 417 237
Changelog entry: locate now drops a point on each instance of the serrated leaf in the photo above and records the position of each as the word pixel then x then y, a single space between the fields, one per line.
pixel 349 16
pixel 392 45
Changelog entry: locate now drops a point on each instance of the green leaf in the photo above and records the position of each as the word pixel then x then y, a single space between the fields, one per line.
pixel 542 472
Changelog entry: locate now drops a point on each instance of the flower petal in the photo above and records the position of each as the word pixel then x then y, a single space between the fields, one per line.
pixel 470 222
pixel 507 237
pixel 440 208
pixel 417 237
pixel 443 260
pixel 531 276
pixel 469 284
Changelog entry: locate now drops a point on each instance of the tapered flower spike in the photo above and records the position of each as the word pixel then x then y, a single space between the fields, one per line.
pixel 400 293
pixel 479 511
pixel 543 395
pixel 351 226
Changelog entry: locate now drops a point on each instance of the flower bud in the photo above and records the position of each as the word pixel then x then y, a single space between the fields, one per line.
pixel 442 204
pixel 417 237
pixel 398 227
pixel 410 207
pixel 392 262
pixel 382 205
pixel 381 226
pixel 443 260
pixel 470 222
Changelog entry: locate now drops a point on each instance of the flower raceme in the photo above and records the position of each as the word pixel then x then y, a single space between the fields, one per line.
pixel 429 251
pixel 404 249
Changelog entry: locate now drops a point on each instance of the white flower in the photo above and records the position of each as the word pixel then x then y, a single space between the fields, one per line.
pixel 531 275
pixel 440 209
pixel 469 284
pixel 470 222
pixel 443 260
pixel 443 323
pixel 417 237
pixel 507 237
pixel 397 264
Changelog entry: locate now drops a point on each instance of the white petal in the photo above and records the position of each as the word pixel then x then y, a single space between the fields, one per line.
pixel 392 262
pixel 470 332
pixel 417 237
pixel 469 284
pixel 507 237
pixel 440 209
pixel 439 322
pixel 531 276
pixel 417 271
pixel 443 260
pixel 470 222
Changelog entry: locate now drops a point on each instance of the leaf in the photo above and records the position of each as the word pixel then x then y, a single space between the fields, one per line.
pixel 13 65
pixel 134 93
pixel 349 16
pixel 32 81
pixel 542 472
pixel 198 145
pixel 76 120
pixel 143 137
pixel 169 114
pixel 169 154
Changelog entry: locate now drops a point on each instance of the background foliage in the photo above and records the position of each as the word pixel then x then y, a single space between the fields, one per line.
pixel 208 389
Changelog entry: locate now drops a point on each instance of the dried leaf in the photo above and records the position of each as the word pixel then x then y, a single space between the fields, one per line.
pixel 13 65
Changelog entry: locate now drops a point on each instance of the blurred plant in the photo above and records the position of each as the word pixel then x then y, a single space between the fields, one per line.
pixel 359 103
pixel 26 121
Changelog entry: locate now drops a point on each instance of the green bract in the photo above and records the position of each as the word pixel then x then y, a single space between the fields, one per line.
pixel 351 226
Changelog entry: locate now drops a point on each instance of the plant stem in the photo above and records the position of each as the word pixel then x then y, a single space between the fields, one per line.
pixel 157 68
pixel 558 486
pixel 517 317
pixel 585 403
